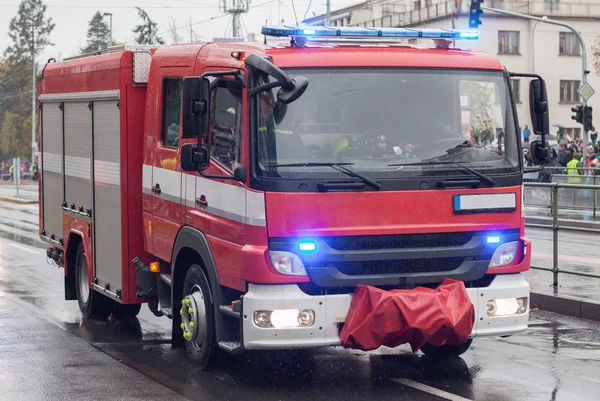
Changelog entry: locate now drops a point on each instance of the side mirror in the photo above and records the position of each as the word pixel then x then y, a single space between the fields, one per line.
pixel 239 173
pixel 195 157
pixel 291 88
pixel 538 104
pixel 291 92
pixel 196 107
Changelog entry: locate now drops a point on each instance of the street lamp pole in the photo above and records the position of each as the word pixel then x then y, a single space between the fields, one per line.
pixel 584 71
pixel 111 32
pixel 533 44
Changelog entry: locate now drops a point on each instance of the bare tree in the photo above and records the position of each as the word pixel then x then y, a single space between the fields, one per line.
pixel 194 37
pixel 175 37
pixel 596 55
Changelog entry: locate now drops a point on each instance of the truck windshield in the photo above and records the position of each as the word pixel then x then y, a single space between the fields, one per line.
pixel 389 123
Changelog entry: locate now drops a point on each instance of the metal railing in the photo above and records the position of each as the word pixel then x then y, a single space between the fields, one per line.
pixel 556 226
pixel 585 200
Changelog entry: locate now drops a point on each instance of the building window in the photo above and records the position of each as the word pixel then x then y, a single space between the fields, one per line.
pixel 573 133
pixel 568 45
pixel 428 3
pixel 508 42
pixel 516 87
pixel 172 88
pixel 417 4
pixel 551 5
pixel 568 91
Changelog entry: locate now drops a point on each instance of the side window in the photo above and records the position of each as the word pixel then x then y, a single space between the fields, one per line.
pixel 226 125
pixel 172 88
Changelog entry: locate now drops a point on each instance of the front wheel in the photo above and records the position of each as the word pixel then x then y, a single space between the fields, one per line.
pixel 197 318
pixel 446 351
pixel 92 304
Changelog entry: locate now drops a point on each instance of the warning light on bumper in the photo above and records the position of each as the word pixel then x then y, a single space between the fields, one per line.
pixel 307 246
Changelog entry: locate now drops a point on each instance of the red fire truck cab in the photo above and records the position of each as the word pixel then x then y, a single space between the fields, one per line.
pixel 246 190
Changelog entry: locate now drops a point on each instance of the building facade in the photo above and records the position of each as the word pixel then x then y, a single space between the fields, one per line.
pixel 522 45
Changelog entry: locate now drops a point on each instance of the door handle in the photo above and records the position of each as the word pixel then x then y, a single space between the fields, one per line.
pixel 201 201
pixel 156 189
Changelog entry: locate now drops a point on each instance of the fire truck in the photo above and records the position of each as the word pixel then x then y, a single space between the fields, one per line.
pixel 247 190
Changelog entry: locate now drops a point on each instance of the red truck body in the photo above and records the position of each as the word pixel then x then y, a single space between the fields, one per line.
pixel 110 183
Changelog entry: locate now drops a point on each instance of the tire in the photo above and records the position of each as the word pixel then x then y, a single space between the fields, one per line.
pixel 128 311
pixel 446 351
pixel 92 304
pixel 202 355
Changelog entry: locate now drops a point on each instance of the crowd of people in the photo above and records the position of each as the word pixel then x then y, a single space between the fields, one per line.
pixel 26 170
pixel 570 157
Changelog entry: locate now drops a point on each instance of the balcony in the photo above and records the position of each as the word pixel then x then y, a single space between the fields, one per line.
pixel 413 17
pixel 550 8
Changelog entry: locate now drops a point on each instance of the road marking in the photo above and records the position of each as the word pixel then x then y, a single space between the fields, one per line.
pixel 21 247
pixel 431 390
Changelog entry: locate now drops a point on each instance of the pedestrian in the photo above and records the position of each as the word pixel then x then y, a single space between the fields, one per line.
pixel 11 171
pixel 573 171
pixel 593 135
pixel 526 134
pixel 550 168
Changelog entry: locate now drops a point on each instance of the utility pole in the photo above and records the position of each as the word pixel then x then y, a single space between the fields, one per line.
pixel 328 21
pixel 584 70
pixel 111 32
pixel 236 9
pixel 34 144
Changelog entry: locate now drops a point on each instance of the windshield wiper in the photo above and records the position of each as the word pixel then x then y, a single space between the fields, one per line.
pixel 336 166
pixel 484 177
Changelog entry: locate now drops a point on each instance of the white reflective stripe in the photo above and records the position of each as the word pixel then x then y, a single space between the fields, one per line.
pixel 95 95
pixel 52 162
pixel 146 177
pixel 224 200
pixel 485 201
pixel 78 167
pixel 255 208
pixel 107 172
pixel 431 390
pixel 169 182
pixel 190 190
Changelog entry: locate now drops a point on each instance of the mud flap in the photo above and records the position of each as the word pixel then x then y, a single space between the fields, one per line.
pixel 376 317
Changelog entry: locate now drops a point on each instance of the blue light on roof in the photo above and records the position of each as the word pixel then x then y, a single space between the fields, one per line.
pixel 493 240
pixel 356 32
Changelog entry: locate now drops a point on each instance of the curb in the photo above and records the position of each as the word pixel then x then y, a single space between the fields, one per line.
pixel 566 305
pixel 18 201
pixel 564 224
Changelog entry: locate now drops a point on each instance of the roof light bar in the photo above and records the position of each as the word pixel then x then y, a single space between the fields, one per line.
pixel 356 32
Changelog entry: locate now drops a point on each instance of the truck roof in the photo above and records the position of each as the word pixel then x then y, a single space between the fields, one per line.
pixel 326 54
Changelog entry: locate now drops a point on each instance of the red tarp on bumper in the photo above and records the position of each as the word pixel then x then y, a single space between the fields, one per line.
pixel 377 317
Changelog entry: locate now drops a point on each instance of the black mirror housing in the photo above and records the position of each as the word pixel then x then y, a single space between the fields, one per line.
pixel 289 93
pixel 538 105
pixel 239 173
pixel 195 107
pixel 539 152
pixel 194 157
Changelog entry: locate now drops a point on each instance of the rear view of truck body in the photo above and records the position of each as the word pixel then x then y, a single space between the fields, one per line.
pixel 91 114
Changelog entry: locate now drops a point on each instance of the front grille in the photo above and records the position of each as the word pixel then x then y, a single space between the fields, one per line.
pixel 368 242
pixel 361 268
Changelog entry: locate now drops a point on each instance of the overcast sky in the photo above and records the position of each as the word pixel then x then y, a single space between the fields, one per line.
pixel 72 17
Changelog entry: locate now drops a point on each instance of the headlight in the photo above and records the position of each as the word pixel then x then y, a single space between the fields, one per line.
pixel 504 254
pixel 287 263
pixel 506 307
pixel 284 318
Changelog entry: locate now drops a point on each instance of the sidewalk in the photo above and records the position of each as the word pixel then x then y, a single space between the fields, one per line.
pixel 40 361
pixel 28 193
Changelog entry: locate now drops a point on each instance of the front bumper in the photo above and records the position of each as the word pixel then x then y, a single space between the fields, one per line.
pixel 331 310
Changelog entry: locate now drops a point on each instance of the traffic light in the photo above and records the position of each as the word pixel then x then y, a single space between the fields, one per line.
pixel 474 13
pixel 587 119
pixel 578 116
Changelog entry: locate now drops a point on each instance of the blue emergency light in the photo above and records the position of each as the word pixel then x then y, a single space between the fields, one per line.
pixel 493 240
pixel 357 32
pixel 307 246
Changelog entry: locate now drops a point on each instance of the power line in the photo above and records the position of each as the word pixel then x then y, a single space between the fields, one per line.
pixel 13 74
pixel 103 6
pixel 15 95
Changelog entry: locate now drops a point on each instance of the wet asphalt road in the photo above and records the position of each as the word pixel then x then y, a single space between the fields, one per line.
pixel 47 352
